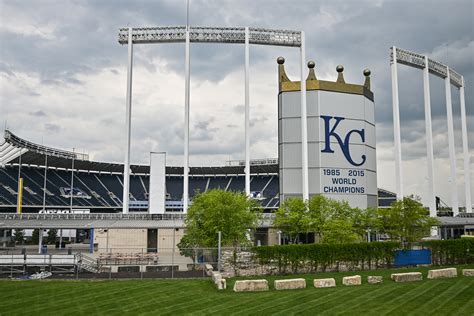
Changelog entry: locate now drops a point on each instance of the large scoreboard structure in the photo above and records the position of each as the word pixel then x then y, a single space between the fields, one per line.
pixel 340 138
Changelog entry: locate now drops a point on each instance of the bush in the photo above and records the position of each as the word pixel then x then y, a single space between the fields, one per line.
pixel 322 256
pixel 454 251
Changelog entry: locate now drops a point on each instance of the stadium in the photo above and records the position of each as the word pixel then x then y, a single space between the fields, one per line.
pixel 51 188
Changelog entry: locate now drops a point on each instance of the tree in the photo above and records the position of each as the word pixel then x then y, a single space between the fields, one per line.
pixel 188 248
pixel 51 238
pixel 331 220
pixel 231 213
pixel 292 217
pixel 19 236
pixel 365 221
pixel 406 220
pixel 339 231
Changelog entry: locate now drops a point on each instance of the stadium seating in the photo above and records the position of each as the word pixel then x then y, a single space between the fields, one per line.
pixel 102 192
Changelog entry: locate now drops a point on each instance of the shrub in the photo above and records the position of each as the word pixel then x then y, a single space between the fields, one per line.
pixel 315 256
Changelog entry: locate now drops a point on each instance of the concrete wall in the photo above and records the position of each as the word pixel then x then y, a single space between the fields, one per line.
pixel 120 240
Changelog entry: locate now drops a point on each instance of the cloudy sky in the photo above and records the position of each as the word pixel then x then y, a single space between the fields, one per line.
pixel 63 76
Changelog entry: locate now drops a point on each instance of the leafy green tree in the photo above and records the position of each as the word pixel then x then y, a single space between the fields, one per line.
pixel 324 216
pixel 188 248
pixel 51 237
pixel 19 236
pixel 339 231
pixel 406 220
pixel 292 217
pixel 231 213
pixel 365 221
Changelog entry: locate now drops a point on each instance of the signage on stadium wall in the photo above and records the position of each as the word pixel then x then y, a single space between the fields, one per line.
pixel 64 211
pixel 341 146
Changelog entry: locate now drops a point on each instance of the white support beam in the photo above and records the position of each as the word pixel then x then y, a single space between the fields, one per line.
pixel 247 113
pixel 186 125
pixel 304 123
pixel 465 149
pixel 429 141
pixel 452 150
pixel 128 126
pixel 396 127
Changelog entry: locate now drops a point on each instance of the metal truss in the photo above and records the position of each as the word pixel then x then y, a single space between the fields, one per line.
pixel 203 34
pixel 21 143
pixel 435 67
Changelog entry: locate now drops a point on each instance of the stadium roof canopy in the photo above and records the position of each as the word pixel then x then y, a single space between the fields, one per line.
pixel 33 154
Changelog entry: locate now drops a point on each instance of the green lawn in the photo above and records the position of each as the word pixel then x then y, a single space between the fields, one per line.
pixel 50 297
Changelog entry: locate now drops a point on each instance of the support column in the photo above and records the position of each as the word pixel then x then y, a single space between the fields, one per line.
pixel 60 239
pixel 128 126
pixel 72 182
pixel 247 113
pixel 429 142
pixel 304 123
pixel 452 150
pixel 465 149
pixel 19 202
pixel 40 240
pixel 186 125
pixel 44 182
pixel 396 127
pixel 91 240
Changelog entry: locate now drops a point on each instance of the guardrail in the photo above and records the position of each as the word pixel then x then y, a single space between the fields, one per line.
pixel 103 216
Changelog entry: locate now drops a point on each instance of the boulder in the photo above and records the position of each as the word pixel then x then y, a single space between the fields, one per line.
pixel 319 283
pixel 352 280
pixel 443 273
pixel 290 284
pixel 251 285
pixel 374 279
pixel 468 272
pixel 407 277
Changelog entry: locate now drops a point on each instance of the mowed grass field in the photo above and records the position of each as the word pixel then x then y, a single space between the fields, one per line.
pixel 199 296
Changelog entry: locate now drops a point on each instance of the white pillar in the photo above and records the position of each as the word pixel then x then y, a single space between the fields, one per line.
pixel 396 127
pixel 44 182
pixel 247 113
pixel 186 126
pixel 452 151
pixel 465 149
pixel 72 182
pixel 128 126
pixel 40 240
pixel 304 122
pixel 429 141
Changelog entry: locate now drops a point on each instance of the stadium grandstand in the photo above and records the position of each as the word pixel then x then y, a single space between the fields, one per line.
pixel 55 180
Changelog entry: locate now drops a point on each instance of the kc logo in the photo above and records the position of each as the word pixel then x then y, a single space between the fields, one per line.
pixel 328 132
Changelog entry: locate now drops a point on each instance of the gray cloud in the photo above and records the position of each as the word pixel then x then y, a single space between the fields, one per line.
pixel 62 59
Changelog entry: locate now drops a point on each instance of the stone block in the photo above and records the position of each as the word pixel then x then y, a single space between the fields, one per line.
pixel 216 276
pixel 251 285
pixel 209 267
pixel 290 284
pixel 407 277
pixel 374 279
pixel 468 272
pixel 443 273
pixel 352 280
pixel 221 284
pixel 319 283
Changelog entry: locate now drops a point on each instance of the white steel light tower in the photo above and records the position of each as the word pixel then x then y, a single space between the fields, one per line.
pixel 225 35
pixel 451 78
